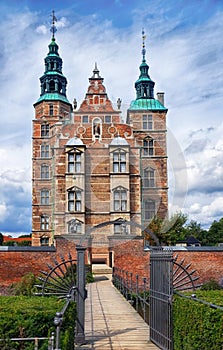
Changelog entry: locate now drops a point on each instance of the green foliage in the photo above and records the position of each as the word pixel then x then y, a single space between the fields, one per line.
pixel 211 285
pixel 33 317
pixel 25 286
pixel 198 326
pixel 9 243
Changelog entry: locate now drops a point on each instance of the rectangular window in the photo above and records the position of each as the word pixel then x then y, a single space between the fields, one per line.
pixel 44 222
pixel 148 147
pixel 44 241
pixel 120 200
pixel 74 162
pixel 108 119
pixel 70 162
pixel 74 201
pixel 45 130
pixel 44 197
pixel 147 123
pixel 149 210
pixel 117 229
pixel 45 172
pixel 119 162
pixel 51 110
pixel 149 178
pixel 45 151
pixel 84 119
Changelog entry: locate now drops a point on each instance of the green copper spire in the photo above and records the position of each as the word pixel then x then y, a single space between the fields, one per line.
pixel 53 82
pixel 145 86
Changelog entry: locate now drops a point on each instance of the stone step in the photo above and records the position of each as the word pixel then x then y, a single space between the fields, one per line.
pixel 101 269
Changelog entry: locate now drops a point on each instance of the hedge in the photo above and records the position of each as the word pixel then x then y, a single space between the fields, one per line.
pixel 198 326
pixel 28 317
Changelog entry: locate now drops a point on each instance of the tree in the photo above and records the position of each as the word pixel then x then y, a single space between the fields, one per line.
pixel 1 238
pixel 194 229
pixel 168 231
pixel 215 233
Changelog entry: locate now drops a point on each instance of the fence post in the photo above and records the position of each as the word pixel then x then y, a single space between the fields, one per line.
pixel 81 295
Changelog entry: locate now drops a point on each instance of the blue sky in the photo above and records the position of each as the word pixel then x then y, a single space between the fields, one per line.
pixel 184 51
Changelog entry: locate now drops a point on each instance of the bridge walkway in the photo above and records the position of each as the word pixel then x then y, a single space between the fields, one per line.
pixel 111 322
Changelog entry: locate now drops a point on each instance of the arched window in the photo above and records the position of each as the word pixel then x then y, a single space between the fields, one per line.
pixel 45 173
pixel 148 147
pixel 44 222
pixel 149 177
pixel 119 161
pixel 97 127
pixel 120 199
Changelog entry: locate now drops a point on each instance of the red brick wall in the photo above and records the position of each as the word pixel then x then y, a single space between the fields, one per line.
pixel 131 257
pixel 15 264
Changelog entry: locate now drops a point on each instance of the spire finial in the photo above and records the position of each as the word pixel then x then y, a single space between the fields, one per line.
pixel 53 28
pixel 143 45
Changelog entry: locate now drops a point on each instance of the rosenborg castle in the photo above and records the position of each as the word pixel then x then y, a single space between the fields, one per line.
pixel 89 166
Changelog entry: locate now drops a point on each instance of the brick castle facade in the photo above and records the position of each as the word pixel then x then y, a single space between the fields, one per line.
pixel 92 169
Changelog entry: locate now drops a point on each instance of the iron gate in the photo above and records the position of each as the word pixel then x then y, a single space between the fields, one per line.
pixel 161 294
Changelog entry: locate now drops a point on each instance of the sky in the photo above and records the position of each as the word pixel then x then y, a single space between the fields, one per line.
pixel 184 50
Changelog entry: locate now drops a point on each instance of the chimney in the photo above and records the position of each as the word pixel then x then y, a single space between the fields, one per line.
pixel 160 97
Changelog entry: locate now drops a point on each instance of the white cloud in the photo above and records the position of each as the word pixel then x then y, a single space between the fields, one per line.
pixel 186 64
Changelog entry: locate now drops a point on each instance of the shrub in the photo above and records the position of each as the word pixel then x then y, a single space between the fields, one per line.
pixel 211 285
pixel 198 326
pixel 22 316
pixel 25 286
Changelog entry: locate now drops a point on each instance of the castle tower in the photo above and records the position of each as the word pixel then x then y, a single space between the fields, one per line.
pixel 147 117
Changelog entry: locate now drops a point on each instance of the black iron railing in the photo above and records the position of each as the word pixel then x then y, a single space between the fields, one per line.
pixel 135 289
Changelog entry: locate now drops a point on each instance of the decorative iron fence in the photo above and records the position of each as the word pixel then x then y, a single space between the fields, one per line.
pixel 135 289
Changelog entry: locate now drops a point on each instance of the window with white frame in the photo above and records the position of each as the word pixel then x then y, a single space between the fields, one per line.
pixel 120 199
pixel 44 222
pixel 45 173
pixel 147 122
pixel 149 209
pixel 45 151
pixel 74 200
pixel 75 226
pixel 74 162
pixel 44 197
pixel 149 177
pixel 45 130
pixel 148 147
pixel 119 161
